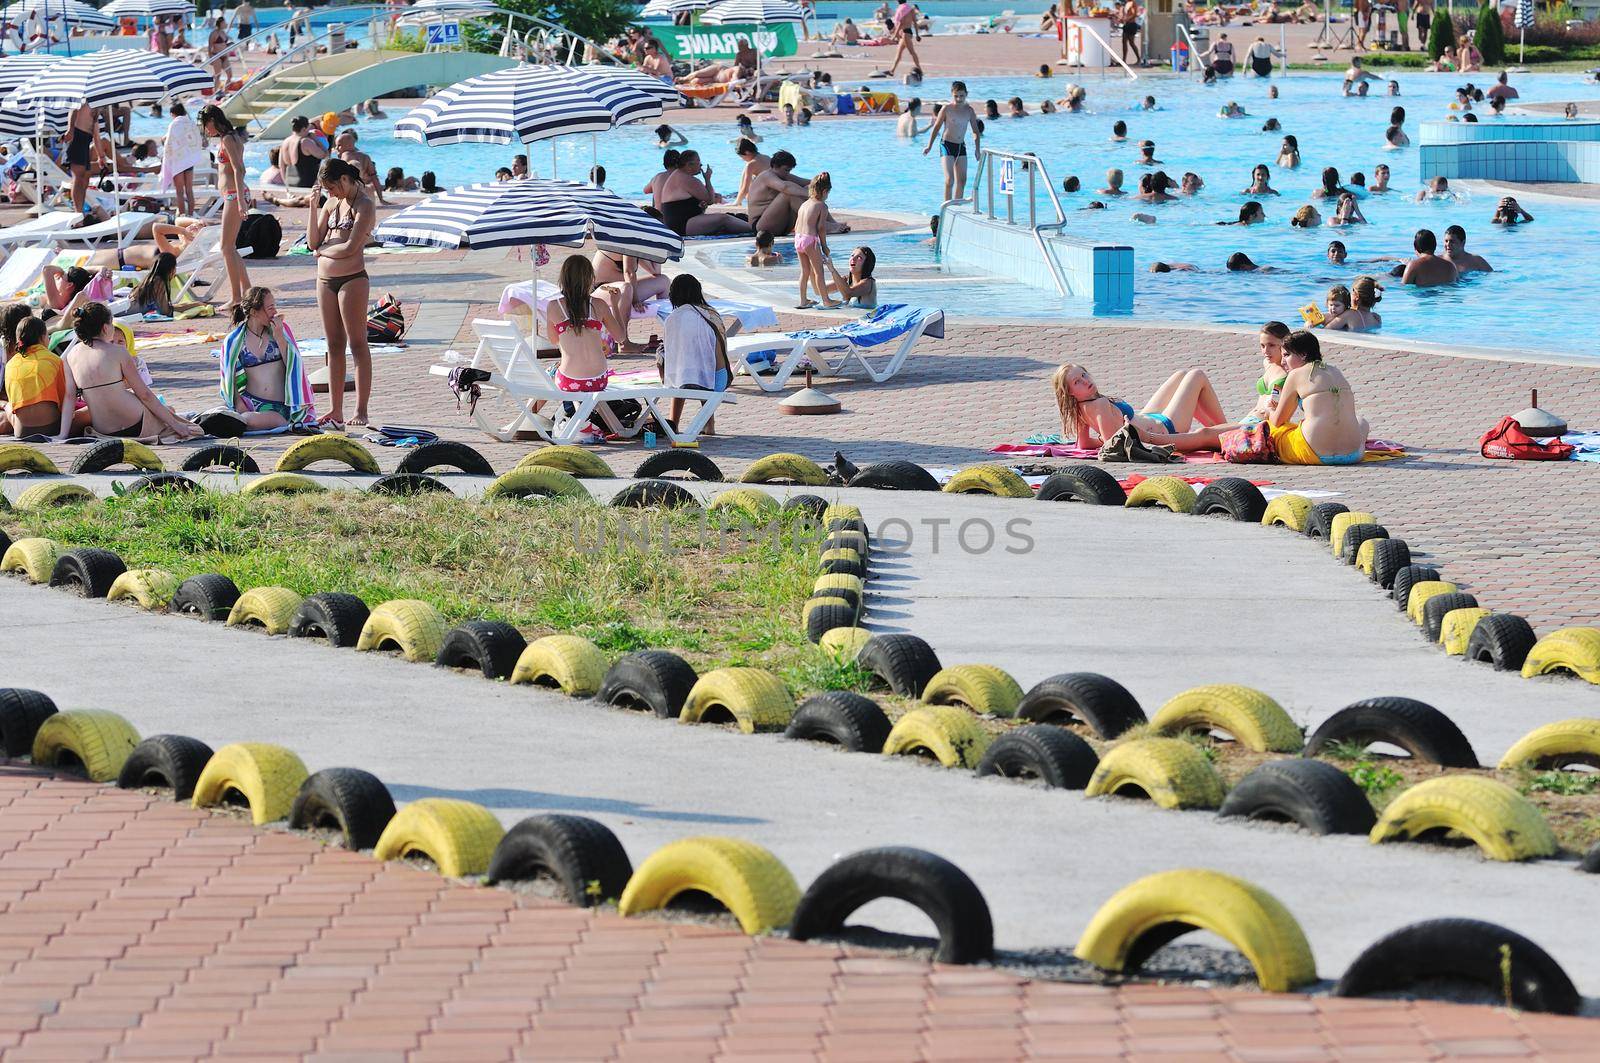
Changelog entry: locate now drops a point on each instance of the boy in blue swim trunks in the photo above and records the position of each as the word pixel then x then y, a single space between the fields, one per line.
pixel 950 130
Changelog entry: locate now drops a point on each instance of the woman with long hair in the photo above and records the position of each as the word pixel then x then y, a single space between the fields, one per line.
pixel 342 217
pixel 1331 432
pixel 235 195
pixel 263 379
pixel 694 351
pixel 577 323
pixel 99 368
pixel 860 287
pixel 153 294
pixel 1089 418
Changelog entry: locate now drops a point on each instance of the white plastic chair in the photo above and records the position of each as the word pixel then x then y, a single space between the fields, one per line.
pixel 828 352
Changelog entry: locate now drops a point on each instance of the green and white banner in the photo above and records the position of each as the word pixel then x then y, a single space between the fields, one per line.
pixel 720 42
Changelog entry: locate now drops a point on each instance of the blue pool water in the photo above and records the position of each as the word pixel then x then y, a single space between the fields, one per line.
pixel 1530 303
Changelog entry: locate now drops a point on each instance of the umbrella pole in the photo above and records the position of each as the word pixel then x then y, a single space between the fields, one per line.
pixel 554 173
pixel 594 157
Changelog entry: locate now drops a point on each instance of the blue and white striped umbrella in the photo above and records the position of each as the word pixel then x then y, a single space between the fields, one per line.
pixel 528 103
pixel 16 69
pixel 760 12
pixel 668 8
pixel 428 12
pixel 1524 17
pixel 148 8
pixel 66 12
pixel 107 78
pixel 628 75
pixel 533 211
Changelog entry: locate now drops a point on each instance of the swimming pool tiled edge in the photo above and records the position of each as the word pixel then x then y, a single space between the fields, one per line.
pixel 1557 151
pixel 1102 273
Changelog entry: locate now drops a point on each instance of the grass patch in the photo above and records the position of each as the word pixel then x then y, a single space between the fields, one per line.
pixel 627 579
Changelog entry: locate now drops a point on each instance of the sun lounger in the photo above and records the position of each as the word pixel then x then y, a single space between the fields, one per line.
pixel 504 353
pixel 40 230
pixel 833 349
pixel 22 270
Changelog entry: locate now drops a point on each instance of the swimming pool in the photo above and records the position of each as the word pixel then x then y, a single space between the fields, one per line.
pixel 1529 303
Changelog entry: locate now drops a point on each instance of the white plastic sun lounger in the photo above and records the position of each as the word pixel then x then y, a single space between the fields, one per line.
pixel 831 350
pixel 119 231
pixel 38 230
pixel 513 369
pixel 22 270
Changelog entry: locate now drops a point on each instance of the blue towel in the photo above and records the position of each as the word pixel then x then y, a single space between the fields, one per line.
pixel 885 323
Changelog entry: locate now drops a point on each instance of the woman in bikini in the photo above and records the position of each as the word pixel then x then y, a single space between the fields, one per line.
pixel 235 195
pixel 263 380
pixel 1260 182
pixel 1349 312
pixel 1270 383
pixel 99 368
pixel 573 323
pixel 154 292
pixel 1331 433
pixel 1089 418
pixel 342 216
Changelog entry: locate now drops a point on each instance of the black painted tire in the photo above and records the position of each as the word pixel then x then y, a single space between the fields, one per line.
pixel 843 566
pixel 1405 579
pixel 1313 795
pixel 844 719
pixel 849 594
pixel 209 596
pixel 894 476
pixel 447 454
pixel 1052 755
pixel 336 617
pixel 1082 483
pixel 1418 728
pixel 1357 534
pixel 1502 640
pixel 929 883
pixel 1233 495
pixel 904 662
pixel 696 465
pixel 5 540
pixel 1435 608
pixel 407 483
pixel 87 571
pixel 154 482
pixel 1590 864
pixel 580 854
pixel 656 680
pixel 814 506
pixel 652 493
pixel 1388 558
pixel 220 456
pixel 98 457
pixel 171 762
pixel 489 646
pixel 824 618
pixel 1319 522
pixel 22 711
pixel 1099 701
pixel 1462 949
pixel 351 801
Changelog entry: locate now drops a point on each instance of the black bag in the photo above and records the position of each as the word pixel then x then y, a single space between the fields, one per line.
pixel 261 235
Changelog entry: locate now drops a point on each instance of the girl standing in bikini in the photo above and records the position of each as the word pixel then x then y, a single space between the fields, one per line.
pixel 811 242
pixel 342 216
pixel 235 196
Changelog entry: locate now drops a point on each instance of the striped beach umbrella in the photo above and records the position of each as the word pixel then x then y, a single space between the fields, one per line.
pixel 668 8
pixel 1524 17
pixel 760 12
pixel 106 78
pixel 16 69
pixel 533 211
pixel 148 8
pixel 428 12
pixel 528 103
pixel 637 78
pixel 68 12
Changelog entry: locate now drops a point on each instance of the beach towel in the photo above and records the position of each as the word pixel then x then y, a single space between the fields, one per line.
pixel 885 323
pixel 297 386
pixel 1052 445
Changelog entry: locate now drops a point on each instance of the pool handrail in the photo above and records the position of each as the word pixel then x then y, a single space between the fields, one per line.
pixel 1091 31
pixel 1034 167
pixel 1195 66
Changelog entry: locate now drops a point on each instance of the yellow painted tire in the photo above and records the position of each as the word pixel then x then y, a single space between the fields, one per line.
pixel 1246 916
pixel 813 604
pixel 743 877
pixel 267 776
pixel 1456 629
pixel 328 447
pixel 785 468
pixel 1167 491
pixel 152 588
pixel 847 540
pixel 989 480
pixel 1556 745
pixel 840 511
pixel 1340 524
pixel 537 481
pixel 845 643
pixel 20 457
pixel 415 628
pixel 1364 555
pixel 1253 719
pixel 980 688
pixel 283 483
pixel 34 557
pixel 573 664
pixel 1503 823
pixel 271 607
pixel 1172 772
pixel 43 496
pixel 842 553
pixel 575 461
pixel 756 505
pixel 1568 649
pixel 1419 594
pixel 754 699
pixel 98 740
pixel 833 581
pixel 458 836
pixel 1289 511
pixel 950 734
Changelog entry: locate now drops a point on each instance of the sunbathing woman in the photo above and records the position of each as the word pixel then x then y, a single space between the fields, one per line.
pixel 1331 433
pixel 1270 383
pixel 1089 418
pixel 155 292
pixel 263 379
pixel 171 239
pixel 100 369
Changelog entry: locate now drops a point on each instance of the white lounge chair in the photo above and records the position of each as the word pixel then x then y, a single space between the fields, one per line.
pixel 832 349
pixel 22 270
pixel 504 353
pixel 200 262
pixel 36 230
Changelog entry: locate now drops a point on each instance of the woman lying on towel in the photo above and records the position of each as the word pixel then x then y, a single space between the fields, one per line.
pixel 1331 433
pixel 1187 398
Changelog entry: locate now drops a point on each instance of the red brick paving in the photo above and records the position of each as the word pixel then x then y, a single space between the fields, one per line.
pixel 132 927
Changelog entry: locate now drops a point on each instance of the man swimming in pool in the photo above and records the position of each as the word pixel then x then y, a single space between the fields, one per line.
pixel 950 130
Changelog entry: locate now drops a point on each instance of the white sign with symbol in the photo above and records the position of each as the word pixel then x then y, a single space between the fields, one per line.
pixel 1007 183
pixel 446 33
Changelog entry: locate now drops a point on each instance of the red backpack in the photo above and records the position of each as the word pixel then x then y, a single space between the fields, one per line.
pixel 1508 440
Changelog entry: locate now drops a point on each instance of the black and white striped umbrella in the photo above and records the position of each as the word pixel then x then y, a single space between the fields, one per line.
pixel 1524 17
pixel 148 8
pixel 106 78
pixel 661 90
pixel 427 12
pixel 760 12
pixel 16 69
pixel 525 104
pixel 533 211
pixel 67 12
pixel 668 8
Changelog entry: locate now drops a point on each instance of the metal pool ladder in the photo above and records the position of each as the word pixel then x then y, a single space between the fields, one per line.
pixel 1022 163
